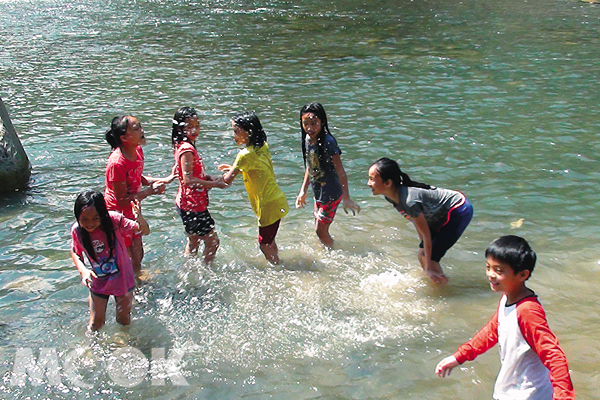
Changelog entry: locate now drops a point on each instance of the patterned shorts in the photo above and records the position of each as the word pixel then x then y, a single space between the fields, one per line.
pixel 197 223
pixel 324 212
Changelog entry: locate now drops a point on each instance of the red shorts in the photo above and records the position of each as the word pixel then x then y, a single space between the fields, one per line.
pixel 266 234
pixel 324 212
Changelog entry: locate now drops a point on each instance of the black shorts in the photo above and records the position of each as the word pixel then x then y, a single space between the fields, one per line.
pixel 197 223
pixel 107 296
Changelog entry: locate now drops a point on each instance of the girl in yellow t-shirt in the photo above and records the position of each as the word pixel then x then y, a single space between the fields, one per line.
pixel 254 162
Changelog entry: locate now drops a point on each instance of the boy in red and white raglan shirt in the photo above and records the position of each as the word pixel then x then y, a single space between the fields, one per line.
pixel 533 366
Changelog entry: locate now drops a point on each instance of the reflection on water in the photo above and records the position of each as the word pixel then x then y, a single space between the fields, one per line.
pixel 498 100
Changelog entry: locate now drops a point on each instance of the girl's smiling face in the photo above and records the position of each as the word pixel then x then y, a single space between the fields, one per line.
pixel 311 124
pixel 375 182
pixel 191 128
pixel 89 219
pixel 241 136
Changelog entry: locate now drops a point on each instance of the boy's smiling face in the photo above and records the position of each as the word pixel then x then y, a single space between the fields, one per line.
pixel 502 277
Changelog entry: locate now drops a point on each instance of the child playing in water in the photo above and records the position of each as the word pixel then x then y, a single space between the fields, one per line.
pixel 99 236
pixel 439 215
pixel 254 161
pixel 533 364
pixel 324 170
pixel 192 196
pixel 124 176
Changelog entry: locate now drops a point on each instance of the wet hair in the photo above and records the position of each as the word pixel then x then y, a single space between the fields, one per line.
pixel 92 198
pixel 318 110
pixel 249 122
pixel 118 127
pixel 389 169
pixel 514 251
pixel 178 134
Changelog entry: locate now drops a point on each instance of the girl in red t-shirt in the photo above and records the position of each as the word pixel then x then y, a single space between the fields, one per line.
pixel 124 176
pixel 192 196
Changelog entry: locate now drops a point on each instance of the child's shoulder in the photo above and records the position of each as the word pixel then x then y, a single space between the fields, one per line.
pixel 530 307
pixel 264 149
pixel 116 217
pixel 330 142
pixel 184 146
pixel 75 229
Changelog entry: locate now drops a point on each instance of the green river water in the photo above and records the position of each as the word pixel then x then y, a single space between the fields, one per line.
pixel 499 100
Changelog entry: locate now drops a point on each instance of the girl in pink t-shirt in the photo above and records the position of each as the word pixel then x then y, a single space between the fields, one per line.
pixel 124 176
pixel 99 240
pixel 192 196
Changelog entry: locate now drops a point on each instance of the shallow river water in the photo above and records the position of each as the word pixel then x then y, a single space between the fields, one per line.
pixel 496 99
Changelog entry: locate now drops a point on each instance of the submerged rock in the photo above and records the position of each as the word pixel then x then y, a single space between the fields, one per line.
pixel 15 168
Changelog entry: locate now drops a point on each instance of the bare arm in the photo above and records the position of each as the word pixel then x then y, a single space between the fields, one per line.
pixel 230 173
pixel 86 274
pixel 187 169
pixel 301 198
pixel 124 198
pixel 341 173
pixel 425 235
pixel 143 227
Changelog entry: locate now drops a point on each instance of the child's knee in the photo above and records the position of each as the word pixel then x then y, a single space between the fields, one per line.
pixel 215 242
pixel 124 319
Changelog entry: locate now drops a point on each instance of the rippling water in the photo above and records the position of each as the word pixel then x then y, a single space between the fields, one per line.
pixel 499 100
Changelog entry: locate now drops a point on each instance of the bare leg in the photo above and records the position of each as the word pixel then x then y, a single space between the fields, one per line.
pixel 271 252
pixel 211 245
pixel 322 230
pixel 124 308
pixel 191 246
pixel 434 272
pixel 136 252
pixel 97 312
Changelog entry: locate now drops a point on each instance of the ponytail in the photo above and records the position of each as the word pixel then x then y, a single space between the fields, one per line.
pixel 118 128
pixel 390 170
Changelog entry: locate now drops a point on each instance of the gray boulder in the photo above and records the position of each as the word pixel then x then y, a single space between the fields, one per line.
pixel 15 168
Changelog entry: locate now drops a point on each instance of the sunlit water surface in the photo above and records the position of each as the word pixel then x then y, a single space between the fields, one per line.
pixel 496 99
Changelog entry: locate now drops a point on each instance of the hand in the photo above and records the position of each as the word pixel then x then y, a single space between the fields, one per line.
pixel 349 204
pixel 445 366
pixel 301 200
pixel 220 183
pixel 158 187
pixel 437 277
pixel 224 167
pixel 86 277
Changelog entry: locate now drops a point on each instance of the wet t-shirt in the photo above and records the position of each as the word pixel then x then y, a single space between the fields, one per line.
pixel 435 204
pixel 323 176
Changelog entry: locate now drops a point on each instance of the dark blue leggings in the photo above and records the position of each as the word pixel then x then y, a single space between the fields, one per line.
pixel 448 234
